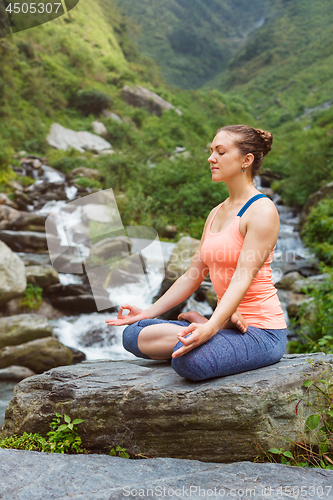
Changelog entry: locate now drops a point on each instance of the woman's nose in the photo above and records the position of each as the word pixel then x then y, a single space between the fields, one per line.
pixel 211 159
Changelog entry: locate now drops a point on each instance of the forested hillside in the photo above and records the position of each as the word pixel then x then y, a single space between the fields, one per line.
pixel 193 40
pixel 48 73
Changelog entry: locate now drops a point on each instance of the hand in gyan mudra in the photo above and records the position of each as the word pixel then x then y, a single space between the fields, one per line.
pixel 135 314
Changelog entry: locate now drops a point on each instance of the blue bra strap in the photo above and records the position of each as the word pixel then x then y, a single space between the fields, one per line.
pixel 248 203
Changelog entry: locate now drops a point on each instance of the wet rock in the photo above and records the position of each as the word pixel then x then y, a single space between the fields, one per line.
pixel 7 214
pixel 147 405
pixel 141 97
pixel 100 477
pixel 42 276
pixel 78 356
pixel 15 373
pixel 24 221
pixel 63 138
pixel 12 274
pixel 20 241
pixel 38 355
pixel 46 310
pixel 15 330
pixel 82 304
pixel 119 246
pixel 313 200
pixel 4 200
pixel 286 283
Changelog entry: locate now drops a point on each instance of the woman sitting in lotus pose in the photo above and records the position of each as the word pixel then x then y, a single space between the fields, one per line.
pixel 247 329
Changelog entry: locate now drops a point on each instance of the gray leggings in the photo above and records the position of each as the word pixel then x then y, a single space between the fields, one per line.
pixel 228 352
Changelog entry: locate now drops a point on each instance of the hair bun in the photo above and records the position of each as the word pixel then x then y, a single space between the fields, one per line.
pixel 267 140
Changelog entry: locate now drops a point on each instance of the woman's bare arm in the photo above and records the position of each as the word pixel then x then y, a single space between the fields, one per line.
pixel 261 236
pixel 181 289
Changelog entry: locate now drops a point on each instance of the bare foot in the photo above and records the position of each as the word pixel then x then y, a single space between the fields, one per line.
pixel 236 320
pixel 192 317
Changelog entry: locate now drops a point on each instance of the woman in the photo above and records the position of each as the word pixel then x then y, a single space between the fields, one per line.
pixel 247 329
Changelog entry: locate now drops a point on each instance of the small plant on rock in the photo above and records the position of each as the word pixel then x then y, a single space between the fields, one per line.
pixel 64 438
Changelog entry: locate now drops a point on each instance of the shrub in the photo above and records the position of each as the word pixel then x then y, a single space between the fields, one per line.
pixel 318 230
pixel 92 102
pixel 32 297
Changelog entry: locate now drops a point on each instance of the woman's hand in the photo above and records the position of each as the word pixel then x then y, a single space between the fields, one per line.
pixel 200 333
pixel 135 314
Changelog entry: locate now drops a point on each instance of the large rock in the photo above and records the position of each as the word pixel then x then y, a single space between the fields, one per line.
pixel 148 407
pixel 99 128
pixel 12 274
pixel 42 276
pixel 22 241
pixel 15 330
pixel 64 138
pixel 27 222
pixel 141 97
pixel 29 475
pixel 38 355
pixel 15 373
pixel 313 200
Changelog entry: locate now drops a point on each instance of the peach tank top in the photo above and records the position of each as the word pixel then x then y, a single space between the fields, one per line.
pixel 260 306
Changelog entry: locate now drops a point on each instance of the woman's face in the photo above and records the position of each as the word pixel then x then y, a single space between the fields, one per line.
pixel 225 160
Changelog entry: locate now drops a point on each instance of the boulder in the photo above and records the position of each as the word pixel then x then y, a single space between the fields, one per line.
pixel 15 373
pixel 99 128
pixel 38 355
pixel 296 302
pixel 113 116
pixel 148 407
pixel 141 97
pixel 110 247
pixel 25 221
pixel 12 274
pixel 288 280
pixel 313 200
pixel 42 276
pixel 4 200
pixel 21 241
pixel 63 138
pixel 15 330
pixel 33 476
pixel 46 310
pixel 309 283
pixel 7 214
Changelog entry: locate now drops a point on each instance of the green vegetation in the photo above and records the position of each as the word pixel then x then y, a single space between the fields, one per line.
pixel 119 452
pixel 314 448
pixel 63 438
pixel 318 230
pixel 32 297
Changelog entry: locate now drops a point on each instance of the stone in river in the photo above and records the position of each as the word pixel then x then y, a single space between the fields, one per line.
pixel 21 328
pixel 15 373
pixel 147 406
pixel 38 355
pixel 12 274
pixel 29 475
pixel 27 240
pixel 42 276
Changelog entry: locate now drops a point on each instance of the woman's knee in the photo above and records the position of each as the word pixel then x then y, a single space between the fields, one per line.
pixel 130 339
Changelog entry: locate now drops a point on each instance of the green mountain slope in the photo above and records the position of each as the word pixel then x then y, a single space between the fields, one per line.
pixel 44 73
pixel 193 40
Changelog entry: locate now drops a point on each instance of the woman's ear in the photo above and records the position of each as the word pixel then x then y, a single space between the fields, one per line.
pixel 249 159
